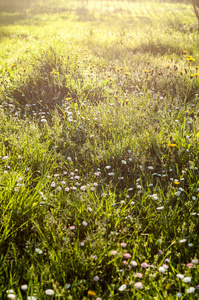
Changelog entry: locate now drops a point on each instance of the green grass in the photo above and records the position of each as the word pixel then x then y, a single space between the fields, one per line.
pixel 99 184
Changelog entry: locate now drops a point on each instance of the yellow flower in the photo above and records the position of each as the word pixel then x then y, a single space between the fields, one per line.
pixel 13 66
pixel 148 62
pixel 167 67
pixel 127 74
pixel 180 72
pixel 68 99
pixel 145 71
pixel 176 182
pixel 172 145
pixel 127 100
pixel 196 67
pixel 185 52
pixel 190 59
pixel 91 293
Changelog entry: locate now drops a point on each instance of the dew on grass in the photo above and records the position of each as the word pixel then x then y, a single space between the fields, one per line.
pixel 49 292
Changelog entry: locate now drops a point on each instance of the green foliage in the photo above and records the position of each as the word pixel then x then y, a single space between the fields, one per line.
pixel 99 151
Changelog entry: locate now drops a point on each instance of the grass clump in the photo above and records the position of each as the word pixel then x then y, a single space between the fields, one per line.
pixel 99 159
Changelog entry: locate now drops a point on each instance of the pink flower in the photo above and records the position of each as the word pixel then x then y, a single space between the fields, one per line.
pixel 123 245
pixel 113 252
pixel 138 285
pixel 72 227
pixel 127 255
pixel 194 261
pixel 138 275
pixel 190 265
pixel 145 265
pixel 133 263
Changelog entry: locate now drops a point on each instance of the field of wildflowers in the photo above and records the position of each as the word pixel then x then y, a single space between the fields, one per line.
pixel 99 135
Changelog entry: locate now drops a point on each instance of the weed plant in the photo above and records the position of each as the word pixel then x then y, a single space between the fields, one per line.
pixel 99 153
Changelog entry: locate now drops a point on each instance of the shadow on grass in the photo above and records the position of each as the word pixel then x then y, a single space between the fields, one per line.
pixel 12 19
pixel 157 49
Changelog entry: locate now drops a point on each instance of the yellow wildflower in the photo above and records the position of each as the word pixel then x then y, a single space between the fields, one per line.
pixel 68 99
pixel 172 145
pixel 91 293
pixel 190 59
pixel 185 52
pixel 176 182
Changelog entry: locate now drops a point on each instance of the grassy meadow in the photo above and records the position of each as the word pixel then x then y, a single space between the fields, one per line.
pixel 99 150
